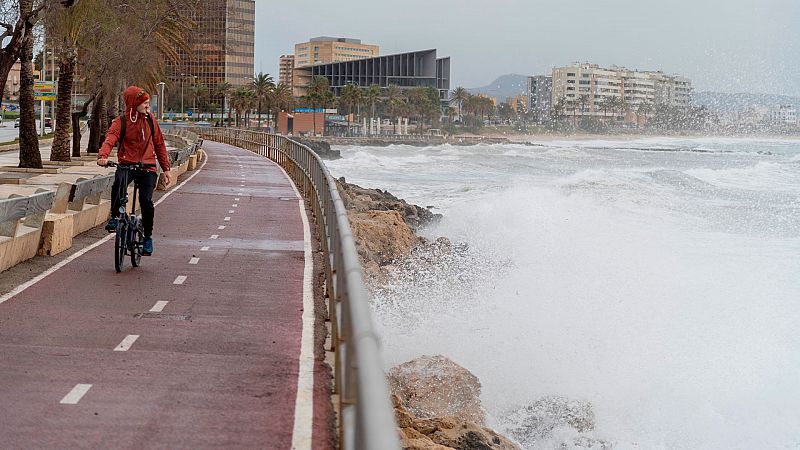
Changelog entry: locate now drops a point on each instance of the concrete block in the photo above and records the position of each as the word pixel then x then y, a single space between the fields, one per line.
pixel 85 219
pixel 57 233
pixel 176 172
pixel 20 248
pixel 192 164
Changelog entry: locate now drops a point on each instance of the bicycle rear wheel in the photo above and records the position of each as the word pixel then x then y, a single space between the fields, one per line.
pixel 136 242
pixel 119 248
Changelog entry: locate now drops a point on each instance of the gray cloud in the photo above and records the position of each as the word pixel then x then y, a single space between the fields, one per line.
pixel 724 45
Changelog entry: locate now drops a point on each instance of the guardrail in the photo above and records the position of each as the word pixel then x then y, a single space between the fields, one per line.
pixel 366 418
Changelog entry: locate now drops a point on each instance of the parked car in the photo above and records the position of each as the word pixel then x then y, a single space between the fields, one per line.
pixel 16 123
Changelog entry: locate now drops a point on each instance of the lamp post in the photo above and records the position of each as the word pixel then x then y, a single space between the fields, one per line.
pixel 182 110
pixel 194 94
pixel 161 101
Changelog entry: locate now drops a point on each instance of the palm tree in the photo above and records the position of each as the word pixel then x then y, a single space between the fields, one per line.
pixel 224 89
pixel 282 97
pixel 29 155
pixel 371 95
pixel 241 101
pixel 199 92
pixel 262 85
pixel 460 95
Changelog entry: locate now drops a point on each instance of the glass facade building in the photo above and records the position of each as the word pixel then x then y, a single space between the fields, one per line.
pixel 221 47
pixel 405 70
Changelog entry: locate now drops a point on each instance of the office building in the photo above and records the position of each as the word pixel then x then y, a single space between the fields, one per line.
pixel 538 96
pixel 325 49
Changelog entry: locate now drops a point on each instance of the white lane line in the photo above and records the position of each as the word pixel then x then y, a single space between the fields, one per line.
pixel 194 260
pixel 205 249
pixel 214 236
pixel 159 306
pixel 235 205
pixel 126 343
pixel 227 219
pixel 304 403
pixel 180 279
pixel 230 211
pixel 22 287
pixel 221 227
pixel 236 199
pixel 75 394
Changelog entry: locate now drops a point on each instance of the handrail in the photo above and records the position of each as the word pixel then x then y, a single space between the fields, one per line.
pixel 366 418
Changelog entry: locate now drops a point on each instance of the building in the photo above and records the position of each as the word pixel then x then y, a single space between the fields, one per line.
pixel 285 69
pixel 325 49
pixel 517 103
pixel 12 82
pixel 538 94
pixel 222 49
pixel 405 70
pixel 590 90
pixel 783 115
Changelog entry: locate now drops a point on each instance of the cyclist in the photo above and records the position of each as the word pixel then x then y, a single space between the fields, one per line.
pixel 143 142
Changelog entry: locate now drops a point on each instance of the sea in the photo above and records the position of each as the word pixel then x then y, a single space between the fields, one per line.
pixel 656 280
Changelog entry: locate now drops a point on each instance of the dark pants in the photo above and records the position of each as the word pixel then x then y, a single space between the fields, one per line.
pixel 146 181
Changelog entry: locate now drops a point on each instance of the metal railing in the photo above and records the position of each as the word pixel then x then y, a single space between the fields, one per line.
pixel 366 418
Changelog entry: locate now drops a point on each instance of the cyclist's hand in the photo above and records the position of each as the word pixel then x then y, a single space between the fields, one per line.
pixel 102 162
pixel 167 176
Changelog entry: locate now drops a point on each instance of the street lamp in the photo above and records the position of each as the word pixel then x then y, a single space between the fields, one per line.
pixel 194 94
pixel 161 101
pixel 182 110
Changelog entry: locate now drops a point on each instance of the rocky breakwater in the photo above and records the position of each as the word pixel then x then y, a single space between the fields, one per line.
pixel 437 402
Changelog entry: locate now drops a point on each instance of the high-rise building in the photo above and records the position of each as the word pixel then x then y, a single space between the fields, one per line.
pixel 590 90
pixel 538 95
pixel 285 68
pixel 783 115
pixel 221 49
pixel 325 49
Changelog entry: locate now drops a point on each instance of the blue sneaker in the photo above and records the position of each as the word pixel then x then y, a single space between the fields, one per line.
pixel 147 248
pixel 112 224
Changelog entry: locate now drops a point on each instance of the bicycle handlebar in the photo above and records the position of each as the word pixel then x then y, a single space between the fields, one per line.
pixel 136 166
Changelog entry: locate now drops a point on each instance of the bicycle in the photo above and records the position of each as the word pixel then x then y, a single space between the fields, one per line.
pixel 130 231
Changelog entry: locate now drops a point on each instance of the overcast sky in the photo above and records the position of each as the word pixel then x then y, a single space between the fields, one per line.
pixel 722 45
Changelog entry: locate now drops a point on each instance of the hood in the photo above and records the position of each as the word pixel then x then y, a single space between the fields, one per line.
pixel 134 96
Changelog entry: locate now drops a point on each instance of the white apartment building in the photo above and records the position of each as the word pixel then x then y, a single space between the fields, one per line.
pixel 584 89
pixel 783 115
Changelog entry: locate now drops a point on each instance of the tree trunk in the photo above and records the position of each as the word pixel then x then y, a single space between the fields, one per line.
pixel 76 127
pixel 95 125
pixel 66 67
pixel 29 155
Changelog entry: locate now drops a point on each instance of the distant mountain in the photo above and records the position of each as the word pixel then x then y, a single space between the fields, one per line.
pixel 725 103
pixel 510 85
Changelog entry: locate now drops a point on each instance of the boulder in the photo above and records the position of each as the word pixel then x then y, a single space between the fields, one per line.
pixel 435 386
pixel 445 433
pixel 361 199
pixel 539 420
pixel 381 237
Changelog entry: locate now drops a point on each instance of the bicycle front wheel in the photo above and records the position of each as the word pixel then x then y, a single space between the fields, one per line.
pixel 119 248
pixel 136 243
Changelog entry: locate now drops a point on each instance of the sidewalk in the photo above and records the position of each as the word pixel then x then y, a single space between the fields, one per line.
pixel 197 348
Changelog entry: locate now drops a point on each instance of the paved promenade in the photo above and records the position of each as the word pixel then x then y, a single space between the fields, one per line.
pixel 209 344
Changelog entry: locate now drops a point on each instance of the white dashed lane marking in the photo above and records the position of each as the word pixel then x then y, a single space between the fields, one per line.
pixel 214 236
pixel 180 279
pixel 205 249
pixel 236 199
pixel 221 227
pixel 227 219
pixel 126 343
pixel 235 205
pixel 159 306
pixel 194 260
pixel 230 211
pixel 76 394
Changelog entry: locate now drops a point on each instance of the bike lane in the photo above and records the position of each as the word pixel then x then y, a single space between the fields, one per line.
pixel 196 348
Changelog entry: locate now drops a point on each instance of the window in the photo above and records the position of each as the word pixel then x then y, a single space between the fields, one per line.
pixel 570 74
pixel 584 82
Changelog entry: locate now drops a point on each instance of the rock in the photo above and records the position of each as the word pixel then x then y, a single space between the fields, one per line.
pixel 361 199
pixel 454 433
pixel 435 386
pixel 537 422
pixel 321 148
pixel 381 237
pixel 445 433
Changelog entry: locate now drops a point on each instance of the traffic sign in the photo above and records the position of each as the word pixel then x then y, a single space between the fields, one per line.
pixel 44 96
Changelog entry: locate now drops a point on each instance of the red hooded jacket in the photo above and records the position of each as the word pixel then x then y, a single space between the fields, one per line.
pixel 140 145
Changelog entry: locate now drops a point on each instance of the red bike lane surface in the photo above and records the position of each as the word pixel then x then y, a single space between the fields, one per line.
pixel 216 366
